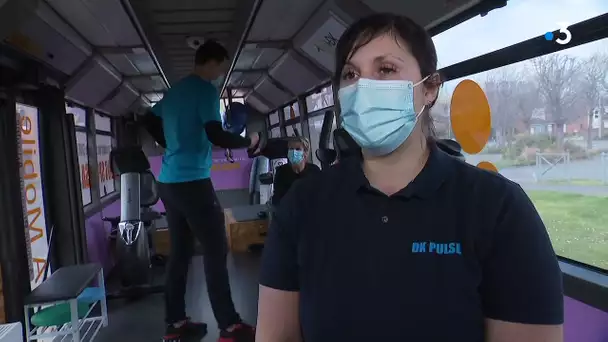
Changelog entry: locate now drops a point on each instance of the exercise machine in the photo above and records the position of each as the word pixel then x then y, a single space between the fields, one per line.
pixel 132 230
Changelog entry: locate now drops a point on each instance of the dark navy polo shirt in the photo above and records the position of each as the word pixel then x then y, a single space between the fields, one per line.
pixel 429 263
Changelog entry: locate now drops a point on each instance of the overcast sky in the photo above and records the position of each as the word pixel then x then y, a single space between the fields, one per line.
pixel 518 21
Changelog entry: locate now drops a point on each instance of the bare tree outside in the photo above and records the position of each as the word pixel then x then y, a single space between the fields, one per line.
pixel 556 80
pixel 440 113
pixel 526 99
pixel 501 90
pixel 592 83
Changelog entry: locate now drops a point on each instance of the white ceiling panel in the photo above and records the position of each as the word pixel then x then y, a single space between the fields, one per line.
pixel 194 15
pixel 120 103
pixel 148 84
pixel 271 93
pixel 154 97
pixel 94 85
pixel 190 5
pixel 294 75
pixel 256 103
pixel 193 28
pixel 247 58
pixel 423 12
pixel 42 41
pixel 101 22
pixel 122 63
pixel 239 92
pixel 271 23
pixel 143 62
pixel 247 79
pixel 267 58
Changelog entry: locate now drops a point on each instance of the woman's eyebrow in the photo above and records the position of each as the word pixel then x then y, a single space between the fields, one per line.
pixel 349 64
pixel 385 56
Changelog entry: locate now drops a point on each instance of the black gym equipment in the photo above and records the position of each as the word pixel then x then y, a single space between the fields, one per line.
pixel 451 147
pixel 324 153
pixel 154 126
pixel 132 230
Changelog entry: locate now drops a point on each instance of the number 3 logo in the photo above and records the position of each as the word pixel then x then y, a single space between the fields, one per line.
pixel 564 30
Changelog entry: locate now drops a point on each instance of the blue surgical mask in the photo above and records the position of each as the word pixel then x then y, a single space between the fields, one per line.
pixel 295 156
pixel 379 115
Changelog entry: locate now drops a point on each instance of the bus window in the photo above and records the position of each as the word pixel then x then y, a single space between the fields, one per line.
pixel 103 139
pixel 273 118
pixel 495 30
pixel 79 114
pixel 275 132
pixel 291 111
pixel 545 138
pixel 320 100
pixel 82 147
pixel 291 130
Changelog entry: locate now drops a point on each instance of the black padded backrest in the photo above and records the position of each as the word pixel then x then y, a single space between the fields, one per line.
pixel 326 156
pixel 451 147
pixel 344 145
pixel 324 153
pixel 324 135
pixel 129 159
pixel 275 148
pixel 148 189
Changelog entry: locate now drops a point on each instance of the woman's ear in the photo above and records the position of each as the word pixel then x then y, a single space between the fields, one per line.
pixel 431 88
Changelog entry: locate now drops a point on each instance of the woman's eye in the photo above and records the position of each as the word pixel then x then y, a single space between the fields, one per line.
pixel 349 75
pixel 385 70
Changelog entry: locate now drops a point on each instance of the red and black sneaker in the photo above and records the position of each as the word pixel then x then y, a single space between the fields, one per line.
pixel 186 329
pixel 241 333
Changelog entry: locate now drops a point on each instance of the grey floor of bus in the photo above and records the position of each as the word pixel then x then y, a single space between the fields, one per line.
pixel 142 321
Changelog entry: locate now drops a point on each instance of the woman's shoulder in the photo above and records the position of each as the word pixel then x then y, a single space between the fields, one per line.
pixel 282 167
pixel 313 167
pixel 485 186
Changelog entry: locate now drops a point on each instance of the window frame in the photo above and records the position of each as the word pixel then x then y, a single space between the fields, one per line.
pixel 112 134
pixel 84 129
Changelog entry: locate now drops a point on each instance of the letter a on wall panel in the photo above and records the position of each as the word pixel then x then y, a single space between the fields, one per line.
pixel 32 192
pixel 322 43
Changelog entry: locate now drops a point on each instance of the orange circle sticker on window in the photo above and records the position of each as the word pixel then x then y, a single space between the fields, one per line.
pixel 486 165
pixel 470 116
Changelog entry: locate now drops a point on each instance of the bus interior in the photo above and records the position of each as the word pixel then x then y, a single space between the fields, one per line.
pixel 76 76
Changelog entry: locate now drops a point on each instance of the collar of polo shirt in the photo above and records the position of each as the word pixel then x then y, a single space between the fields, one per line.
pixel 432 176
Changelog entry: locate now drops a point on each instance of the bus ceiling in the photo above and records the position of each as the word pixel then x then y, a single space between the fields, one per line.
pixel 120 56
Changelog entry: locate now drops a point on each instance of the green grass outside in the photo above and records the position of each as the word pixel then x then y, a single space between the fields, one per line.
pixel 577 225
pixel 579 182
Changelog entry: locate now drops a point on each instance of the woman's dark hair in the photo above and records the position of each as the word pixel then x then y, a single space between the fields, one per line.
pixel 419 42
pixel 210 51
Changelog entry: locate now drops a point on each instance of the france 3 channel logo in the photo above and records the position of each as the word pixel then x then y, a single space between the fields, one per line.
pixel 563 37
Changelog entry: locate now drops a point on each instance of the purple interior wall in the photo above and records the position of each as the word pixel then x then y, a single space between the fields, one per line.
pixel 225 175
pixel 98 232
pixel 584 323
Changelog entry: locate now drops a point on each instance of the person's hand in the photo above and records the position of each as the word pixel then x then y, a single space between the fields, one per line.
pixel 255 139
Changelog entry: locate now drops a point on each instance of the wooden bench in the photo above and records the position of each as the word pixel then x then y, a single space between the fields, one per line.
pixel 68 288
pixel 244 227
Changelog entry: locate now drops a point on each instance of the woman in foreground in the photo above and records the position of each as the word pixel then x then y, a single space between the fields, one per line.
pixel 406 243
